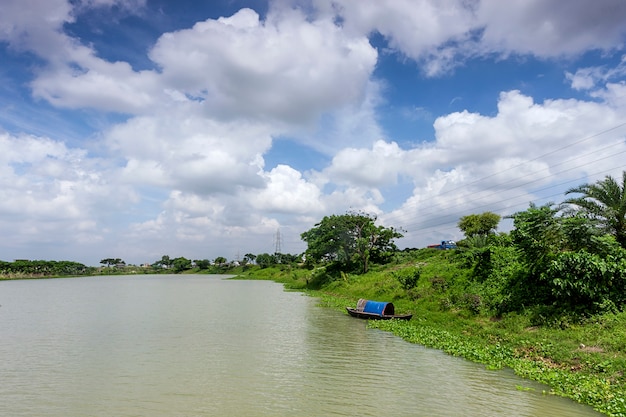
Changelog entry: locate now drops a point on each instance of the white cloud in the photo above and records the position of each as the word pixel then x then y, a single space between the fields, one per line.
pixel 22 28
pixel 287 191
pixel 584 78
pixel 112 87
pixel 71 74
pixel 130 5
pixel 590 78
pixel 51 192
pixel 441 34
pixel 37 25
pixel 552 28
pixel 203 227
pixel 350 126
pixel 286 68
pixel 185 151
pixel 413 27
pixel 613 93
pixel 371 168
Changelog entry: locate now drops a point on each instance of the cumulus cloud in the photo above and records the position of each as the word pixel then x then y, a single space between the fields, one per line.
pixel 71 74
pixel 552 28
pixel 528 151
pixel 605 83
pixel 130 5
pixel 185 151
pixel 286 68
pixel 375 167
pixel 37 25
pixel 613 93
pixel 23 29
pixel 97 84
pixel 287 191
pixel 413 27
pixel 50 191
pixel 442 34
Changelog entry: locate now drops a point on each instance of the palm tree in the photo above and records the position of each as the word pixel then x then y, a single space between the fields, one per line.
pixel 605 202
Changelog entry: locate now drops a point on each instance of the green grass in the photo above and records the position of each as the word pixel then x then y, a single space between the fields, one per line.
pixel 584 360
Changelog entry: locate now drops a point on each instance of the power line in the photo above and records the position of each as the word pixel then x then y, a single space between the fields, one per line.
pixel 480 180
pixel 483 197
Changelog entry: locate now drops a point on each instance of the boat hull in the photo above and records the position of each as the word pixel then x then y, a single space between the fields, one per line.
pixel 373 316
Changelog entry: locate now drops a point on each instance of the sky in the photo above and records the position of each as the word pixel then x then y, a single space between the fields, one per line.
pixel 135 129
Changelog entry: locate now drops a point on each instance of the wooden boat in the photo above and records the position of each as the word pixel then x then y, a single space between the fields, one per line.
pixel 376 310
pixel 373 316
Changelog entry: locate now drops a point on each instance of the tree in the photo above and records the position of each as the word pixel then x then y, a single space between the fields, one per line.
pixel 349 241
pixel 220 260
pixel 538 235
pixel 181 264
pixel 202 263
pixel 165 262
pixel 111 261
pixel 265 260
pixel 605 203
pixel 479 224
pixel 248 258
pixel 538 238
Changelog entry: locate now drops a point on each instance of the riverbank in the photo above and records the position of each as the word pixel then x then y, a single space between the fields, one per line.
pixel 583 360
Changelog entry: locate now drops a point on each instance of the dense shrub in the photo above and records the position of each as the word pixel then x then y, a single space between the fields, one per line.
pixel 587 282
pixel 407 277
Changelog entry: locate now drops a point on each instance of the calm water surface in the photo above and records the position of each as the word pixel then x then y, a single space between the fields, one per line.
pixel 204 346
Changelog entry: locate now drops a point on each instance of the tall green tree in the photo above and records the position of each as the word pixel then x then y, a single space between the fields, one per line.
pixel 265 260
pixel 165 262
pixel 181 264
pixel 479 224
pixel 202 263
pixel 111 261
pixel 350 241
pixel 248 258
pixel 538 236
pixel 605 203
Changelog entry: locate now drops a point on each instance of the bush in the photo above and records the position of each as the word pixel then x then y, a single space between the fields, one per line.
pixel 408 277
pixel 319 277
pixel 438 284
pixel 587 282
pixel 472 302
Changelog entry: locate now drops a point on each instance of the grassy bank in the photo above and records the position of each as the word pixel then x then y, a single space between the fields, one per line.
pixel 582 359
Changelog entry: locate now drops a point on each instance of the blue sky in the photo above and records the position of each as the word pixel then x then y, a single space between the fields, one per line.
pixel 137 128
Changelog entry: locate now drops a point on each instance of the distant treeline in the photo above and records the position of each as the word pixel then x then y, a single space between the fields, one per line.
pixel 28 268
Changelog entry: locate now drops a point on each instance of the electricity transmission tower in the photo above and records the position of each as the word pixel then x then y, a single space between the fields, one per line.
pixel 277 242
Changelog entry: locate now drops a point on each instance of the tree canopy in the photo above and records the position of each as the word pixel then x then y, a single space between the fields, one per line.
pixel 112 261
pixel 351 241
pixel 479 224
pixel 605 203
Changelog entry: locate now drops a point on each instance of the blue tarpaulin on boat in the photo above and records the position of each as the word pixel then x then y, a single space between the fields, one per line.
pixel 378 307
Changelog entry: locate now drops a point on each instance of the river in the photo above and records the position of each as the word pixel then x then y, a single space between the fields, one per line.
pixel 201 345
